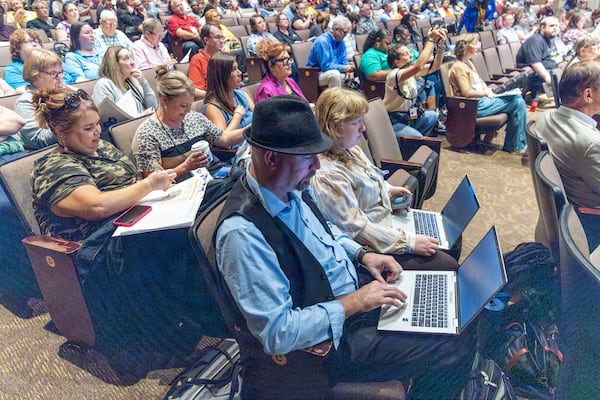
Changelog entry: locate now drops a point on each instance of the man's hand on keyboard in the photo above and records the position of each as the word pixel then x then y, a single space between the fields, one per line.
pixel 376 263
pixel 370 296
pixel 426 245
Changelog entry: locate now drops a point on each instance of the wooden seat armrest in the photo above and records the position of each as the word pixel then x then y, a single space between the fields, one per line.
pixel 410 144
pixel 308 79
pixel 53 243
pixel 461 105
pixel 310 69
pixel 393 165
pixel 223 153
pixel 53 262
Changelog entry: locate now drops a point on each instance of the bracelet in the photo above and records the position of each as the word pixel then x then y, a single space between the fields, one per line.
pixel 361 254
pixel 238 113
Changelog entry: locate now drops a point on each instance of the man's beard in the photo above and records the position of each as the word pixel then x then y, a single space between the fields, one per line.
pixel 305 182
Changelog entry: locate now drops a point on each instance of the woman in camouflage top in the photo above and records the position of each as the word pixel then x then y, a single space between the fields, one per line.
pixel 84 181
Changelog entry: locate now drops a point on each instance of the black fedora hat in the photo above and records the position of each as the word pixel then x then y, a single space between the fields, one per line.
pixel 286 124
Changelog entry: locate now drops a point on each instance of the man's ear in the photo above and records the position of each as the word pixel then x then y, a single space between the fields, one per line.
pixel 271 159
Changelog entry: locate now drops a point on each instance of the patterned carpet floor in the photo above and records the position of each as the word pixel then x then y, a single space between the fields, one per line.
pixel 37 363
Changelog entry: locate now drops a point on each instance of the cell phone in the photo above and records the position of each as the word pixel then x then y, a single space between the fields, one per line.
pixel 132 215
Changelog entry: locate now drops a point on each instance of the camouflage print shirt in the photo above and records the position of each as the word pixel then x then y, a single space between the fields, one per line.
pixel 57 175
pixel 154 141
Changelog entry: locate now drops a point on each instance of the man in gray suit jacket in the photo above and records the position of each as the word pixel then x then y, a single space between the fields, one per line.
pixel 573 138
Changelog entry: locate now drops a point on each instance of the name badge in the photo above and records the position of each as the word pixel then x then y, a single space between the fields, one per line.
pixel 413 113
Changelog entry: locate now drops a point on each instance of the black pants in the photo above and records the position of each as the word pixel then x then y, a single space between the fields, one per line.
pixel 437 365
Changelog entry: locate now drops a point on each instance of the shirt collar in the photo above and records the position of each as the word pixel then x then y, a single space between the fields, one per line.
pixel 568 111
pixel 147 43
pixel 270 202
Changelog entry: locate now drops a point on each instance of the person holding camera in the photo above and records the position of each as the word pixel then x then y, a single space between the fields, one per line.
pixel 402 97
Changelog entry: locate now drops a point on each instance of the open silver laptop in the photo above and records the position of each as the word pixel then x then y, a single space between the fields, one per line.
pixel 448 225
pixel 447 301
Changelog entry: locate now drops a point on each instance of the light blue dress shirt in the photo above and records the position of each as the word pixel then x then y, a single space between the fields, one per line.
pixel 261 289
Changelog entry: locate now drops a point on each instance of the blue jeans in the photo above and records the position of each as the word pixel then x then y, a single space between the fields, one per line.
pixel 514 106
pixel 403 126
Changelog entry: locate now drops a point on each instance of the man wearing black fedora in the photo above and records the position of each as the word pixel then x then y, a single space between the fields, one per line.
pixel 298 311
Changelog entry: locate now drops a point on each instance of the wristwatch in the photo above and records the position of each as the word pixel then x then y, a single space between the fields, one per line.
pixel 361 254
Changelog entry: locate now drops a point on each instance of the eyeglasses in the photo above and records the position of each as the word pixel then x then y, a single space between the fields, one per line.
pixel 109 23
pixel 283 60
pixel 30 41
pixel 346 32
pixel 73 100
pixel 218 37
pixel 53 74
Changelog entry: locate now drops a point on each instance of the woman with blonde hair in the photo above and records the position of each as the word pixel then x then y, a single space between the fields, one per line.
pixel 466 82
pixel 119 78
pixel 277 69
pixel 352 193
pixel 43 69
pixel 166 138
pixel 231 41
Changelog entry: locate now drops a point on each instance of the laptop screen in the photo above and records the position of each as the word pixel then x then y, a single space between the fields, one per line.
pixel 460 210
pixel 481 275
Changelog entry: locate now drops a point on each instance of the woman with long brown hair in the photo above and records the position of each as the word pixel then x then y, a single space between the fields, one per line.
pixel 225 104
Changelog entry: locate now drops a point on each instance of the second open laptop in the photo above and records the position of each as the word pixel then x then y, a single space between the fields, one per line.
pixel 448 225
pixel 448 301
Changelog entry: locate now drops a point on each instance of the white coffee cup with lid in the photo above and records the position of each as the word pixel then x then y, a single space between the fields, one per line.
pixel 203 146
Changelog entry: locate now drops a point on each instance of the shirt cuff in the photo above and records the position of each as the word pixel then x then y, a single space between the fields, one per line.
pixel 337 317
pixel 411 240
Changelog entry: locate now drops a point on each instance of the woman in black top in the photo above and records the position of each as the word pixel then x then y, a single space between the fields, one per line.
pixel 285 33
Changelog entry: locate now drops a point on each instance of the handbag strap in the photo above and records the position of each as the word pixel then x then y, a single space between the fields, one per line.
pixel 515 359
pixel 188 378
pixel 397 88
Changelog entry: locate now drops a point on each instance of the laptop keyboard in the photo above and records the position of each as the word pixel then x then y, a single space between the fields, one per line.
pixel 430 302
pixel 426 224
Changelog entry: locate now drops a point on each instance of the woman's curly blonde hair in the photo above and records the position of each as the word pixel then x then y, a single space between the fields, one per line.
pixel 334 107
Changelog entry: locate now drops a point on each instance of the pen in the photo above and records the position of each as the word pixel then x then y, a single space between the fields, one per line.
pixel 160 168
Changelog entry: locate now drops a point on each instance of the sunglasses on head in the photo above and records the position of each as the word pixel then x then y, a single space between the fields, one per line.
pixel 73 100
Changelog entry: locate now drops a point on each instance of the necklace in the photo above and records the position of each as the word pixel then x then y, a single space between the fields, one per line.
pixel 167 131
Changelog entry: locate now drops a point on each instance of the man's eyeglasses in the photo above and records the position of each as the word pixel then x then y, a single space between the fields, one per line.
pixel 218 37
pixel 346 32
pixel 30 41
pixel 283 60
pixel 73 100
pixel 53 74
pixel 109 23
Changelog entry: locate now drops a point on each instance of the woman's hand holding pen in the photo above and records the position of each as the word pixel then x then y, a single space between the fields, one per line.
pixel 161 180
